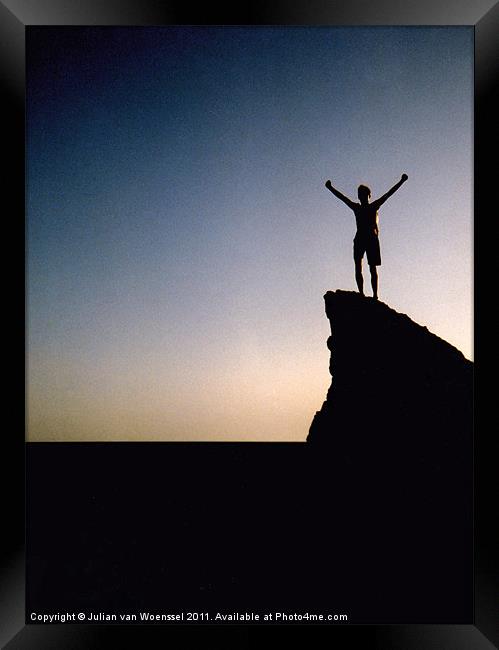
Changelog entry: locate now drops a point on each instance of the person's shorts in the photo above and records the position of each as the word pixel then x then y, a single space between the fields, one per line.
pixel 368 244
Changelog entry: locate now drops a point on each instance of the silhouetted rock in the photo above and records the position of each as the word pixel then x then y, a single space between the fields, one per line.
pixel 398 393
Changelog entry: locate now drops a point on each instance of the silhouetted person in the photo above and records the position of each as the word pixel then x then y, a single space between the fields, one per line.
pixel 366 238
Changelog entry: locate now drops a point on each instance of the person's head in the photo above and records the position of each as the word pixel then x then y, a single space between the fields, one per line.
pixel 364 193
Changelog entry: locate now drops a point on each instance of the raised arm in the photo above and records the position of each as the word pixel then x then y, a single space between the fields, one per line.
pixel 339 195
pixel 391 191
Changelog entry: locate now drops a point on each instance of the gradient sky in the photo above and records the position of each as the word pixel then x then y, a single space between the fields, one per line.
pixel 180 238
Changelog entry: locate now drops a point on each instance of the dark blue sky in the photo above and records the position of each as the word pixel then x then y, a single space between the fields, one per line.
pixel 179 232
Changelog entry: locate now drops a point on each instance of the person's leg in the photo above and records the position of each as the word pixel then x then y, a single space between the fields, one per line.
pixel 374 280
pixel 358 276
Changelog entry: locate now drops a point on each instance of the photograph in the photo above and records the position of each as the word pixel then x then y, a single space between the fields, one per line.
pixel 198 281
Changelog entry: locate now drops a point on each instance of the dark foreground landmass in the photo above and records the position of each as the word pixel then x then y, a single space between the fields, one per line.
pixel 371 518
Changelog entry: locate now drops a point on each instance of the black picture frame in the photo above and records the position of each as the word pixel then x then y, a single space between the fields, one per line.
pixel 15 16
